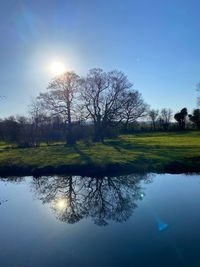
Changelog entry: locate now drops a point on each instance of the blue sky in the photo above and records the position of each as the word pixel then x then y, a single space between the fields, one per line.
pixel 156 43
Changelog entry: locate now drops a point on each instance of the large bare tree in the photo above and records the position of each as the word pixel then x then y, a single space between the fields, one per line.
pixel 61 99
pixel 103 98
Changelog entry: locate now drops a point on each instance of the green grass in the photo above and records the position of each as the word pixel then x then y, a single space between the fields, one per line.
pixel 153 152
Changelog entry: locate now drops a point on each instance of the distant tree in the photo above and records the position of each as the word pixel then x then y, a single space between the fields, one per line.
pixel 60 99
pixel 38 120
pixel 10 129
pixel 134 108
pixel 195 118
pixel 180 117
pixel 165 118
pixel 25 138
pixel 153 115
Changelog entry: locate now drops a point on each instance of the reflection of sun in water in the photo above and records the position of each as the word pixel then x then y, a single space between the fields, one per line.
pixel 57 68
pixel 61 204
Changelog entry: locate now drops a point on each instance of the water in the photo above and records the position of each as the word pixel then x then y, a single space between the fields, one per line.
pixel 135 220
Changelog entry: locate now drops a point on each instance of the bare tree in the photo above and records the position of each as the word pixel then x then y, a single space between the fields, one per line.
pixel 103 98
pixel 38 118
pixel 165 118
pixel 60 99
pixel 134 107
pixel 25 131
pixel 153 115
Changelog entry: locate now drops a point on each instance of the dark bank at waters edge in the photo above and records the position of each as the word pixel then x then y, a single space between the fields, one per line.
pixel 177 167
pixel 154 152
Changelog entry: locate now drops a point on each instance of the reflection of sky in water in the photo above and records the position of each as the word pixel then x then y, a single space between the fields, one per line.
pixel 154 222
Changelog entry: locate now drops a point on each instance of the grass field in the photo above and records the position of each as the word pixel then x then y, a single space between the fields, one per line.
pixel 158 152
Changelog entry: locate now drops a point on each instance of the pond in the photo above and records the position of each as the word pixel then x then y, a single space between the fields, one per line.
pixel 133 220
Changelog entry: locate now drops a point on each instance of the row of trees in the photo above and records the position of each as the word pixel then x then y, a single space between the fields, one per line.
pixel 163 120
pixel 32 130
pixel 160 119
pixel 99 105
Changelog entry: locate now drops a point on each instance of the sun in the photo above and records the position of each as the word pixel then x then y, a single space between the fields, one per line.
pixel 57 68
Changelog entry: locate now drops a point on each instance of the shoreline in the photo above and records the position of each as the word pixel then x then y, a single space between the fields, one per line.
pixel 176 167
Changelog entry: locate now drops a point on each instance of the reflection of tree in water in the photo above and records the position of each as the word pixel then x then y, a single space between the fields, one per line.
pixel 64 195
pixel 73 197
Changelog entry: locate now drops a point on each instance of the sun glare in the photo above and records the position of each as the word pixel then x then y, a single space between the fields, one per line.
pixel 57 68
pixel 61 204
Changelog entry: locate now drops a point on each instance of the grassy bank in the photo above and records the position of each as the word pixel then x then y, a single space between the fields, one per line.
pixel 156 152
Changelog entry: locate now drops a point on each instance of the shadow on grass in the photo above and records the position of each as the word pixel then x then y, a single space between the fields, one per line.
pixel 119 145
pixel 83 155
pixel 153 152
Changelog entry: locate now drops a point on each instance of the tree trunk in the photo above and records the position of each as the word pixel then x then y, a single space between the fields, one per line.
pixel 154 125
pixel 98 133
pixel 126 125
pixel 69 138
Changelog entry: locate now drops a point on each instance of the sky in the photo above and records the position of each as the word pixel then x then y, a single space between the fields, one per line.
pixel 155 43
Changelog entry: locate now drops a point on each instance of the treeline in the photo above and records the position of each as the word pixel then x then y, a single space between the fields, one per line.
pixel 166 120
pixel 99 105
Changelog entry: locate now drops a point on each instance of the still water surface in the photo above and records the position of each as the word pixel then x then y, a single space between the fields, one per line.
pixel 135 220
